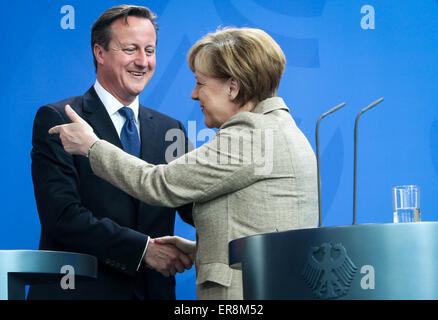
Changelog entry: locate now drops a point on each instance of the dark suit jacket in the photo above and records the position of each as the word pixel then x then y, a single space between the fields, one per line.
pixel 80 212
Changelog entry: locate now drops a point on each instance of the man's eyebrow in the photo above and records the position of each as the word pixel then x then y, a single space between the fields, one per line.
pixel 125 44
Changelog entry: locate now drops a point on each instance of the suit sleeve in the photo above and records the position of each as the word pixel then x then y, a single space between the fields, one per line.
pixel 201 175
pixel 63 216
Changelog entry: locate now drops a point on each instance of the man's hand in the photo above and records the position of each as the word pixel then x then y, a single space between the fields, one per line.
pixel 185 245
pixel 76 137
pixel 166 258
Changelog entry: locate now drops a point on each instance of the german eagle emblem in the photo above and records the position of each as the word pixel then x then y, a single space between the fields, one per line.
pixel 329 271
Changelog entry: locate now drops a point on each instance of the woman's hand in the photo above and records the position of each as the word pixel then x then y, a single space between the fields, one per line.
pixel 186 246
pixel 76 137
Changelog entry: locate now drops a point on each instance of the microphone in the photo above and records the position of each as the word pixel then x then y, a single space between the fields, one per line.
pixel 317 157
pixel 372 105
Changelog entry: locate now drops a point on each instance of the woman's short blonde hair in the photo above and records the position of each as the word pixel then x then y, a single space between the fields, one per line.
pixel 250 56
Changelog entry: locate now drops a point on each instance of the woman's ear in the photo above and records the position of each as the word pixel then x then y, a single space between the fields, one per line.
pixel 233 88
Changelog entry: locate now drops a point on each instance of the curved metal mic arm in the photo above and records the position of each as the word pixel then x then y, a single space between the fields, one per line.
pixel 317 157
pixel 375 103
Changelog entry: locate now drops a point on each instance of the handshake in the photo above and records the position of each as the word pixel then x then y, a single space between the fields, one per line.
pixel 170 254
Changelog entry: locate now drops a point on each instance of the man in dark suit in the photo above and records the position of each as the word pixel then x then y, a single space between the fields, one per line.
pixel 80 212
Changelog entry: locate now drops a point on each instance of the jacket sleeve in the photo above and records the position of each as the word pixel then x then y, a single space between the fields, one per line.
pixel 64 219
pixel 214 169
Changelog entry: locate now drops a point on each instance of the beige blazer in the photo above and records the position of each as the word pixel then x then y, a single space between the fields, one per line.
pixel 257 175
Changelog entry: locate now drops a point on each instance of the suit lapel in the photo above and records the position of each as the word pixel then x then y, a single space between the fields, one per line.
pixel 97 116
pixel 148 132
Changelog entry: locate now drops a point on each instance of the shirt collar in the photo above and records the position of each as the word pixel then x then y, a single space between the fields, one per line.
pixel 112 105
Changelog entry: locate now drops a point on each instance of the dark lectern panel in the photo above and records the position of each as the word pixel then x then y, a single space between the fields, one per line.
pixel 369 261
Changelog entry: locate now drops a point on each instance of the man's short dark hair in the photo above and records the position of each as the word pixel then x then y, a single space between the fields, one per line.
pixel 101 30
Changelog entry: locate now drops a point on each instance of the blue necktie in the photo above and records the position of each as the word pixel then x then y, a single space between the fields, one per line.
pixel 129 134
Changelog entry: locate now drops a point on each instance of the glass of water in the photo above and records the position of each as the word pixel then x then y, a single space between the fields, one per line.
pixel 406 200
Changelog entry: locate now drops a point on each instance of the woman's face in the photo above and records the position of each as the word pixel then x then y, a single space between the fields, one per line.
pixel 215 98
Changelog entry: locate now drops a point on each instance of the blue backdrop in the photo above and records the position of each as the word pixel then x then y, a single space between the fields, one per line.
pixel 354 51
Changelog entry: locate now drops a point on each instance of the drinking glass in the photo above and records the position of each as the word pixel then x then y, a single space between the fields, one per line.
pixel 406 200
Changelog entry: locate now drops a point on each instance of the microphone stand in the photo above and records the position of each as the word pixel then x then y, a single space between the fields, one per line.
pixel 372 105
pixel 317 157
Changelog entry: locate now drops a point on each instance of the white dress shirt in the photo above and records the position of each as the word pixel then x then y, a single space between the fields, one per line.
pixel 112 106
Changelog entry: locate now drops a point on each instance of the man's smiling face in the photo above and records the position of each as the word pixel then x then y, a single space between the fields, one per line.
pixel 129 64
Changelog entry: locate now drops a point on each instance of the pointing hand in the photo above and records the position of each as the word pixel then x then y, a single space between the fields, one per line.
pixel 76 137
